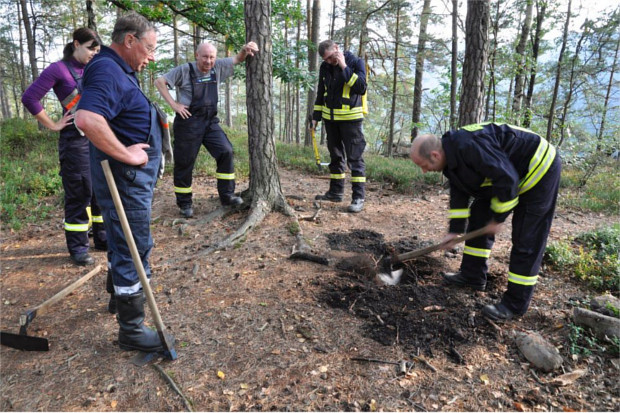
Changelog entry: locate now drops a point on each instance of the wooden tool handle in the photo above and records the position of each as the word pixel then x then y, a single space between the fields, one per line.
pixel 27 317
pixel 418 253
pixel 131 243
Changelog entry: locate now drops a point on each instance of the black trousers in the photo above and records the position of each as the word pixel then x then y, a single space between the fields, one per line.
pixel 531 223
pixel 189 135
pixel 346 144
pixel 74 158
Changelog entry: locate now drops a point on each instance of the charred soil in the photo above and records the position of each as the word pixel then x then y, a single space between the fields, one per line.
pixel 258 331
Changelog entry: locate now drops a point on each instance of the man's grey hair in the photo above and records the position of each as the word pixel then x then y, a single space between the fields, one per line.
pixel 325 45
pixel 131 23
pixel 428 144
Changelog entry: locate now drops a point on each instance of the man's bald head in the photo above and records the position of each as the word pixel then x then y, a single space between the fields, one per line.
pixel 427 152
pixel 206 54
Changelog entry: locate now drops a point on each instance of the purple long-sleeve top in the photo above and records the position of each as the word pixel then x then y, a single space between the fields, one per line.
pixel 56 76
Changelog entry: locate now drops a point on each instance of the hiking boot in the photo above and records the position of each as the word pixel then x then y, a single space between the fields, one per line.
pixel 459 280
pixel 329 196
pixel 187 212
pixel 356 205
pixel 231 200
pixel 498 312
pixel 132 333
pixel 82 259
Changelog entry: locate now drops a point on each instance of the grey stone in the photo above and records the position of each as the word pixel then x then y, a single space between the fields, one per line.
pixel 538 351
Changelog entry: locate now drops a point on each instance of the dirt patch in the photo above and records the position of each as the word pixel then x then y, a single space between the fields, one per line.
pixel 284 332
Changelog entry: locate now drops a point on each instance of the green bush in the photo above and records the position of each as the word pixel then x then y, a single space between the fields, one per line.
pixel 592 257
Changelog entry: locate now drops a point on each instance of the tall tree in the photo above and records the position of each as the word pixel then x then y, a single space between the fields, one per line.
pixel 32 53
pixel 541 8
pixel 601 131
pixel 454 64
pixel 521 63
pixel 474 65
pixel 313 59
pixel 419 68
pixel 91 15
pixel 558 75
pixel 390 141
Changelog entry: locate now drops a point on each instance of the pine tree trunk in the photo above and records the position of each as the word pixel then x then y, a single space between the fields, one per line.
pixel 540 17
pixel 474 66
pixel 491 87
pixel 32 54
pixel 419 69
pixel 388 151
pixel 265 186
pixel 601 130
pixel 521 63
pixel 454 65
pixel 228 97
pixel 313 58
pixel 558 76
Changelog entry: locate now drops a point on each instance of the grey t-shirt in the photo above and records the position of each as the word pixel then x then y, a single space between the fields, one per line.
pixel 179 76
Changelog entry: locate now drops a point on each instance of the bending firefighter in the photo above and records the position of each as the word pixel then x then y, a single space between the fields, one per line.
pixel 505 169
pixel 342 83
pixel 65 77
pixel 197 123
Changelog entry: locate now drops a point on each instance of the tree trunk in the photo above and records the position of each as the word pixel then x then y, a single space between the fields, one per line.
pixel 21 69
pixel 175 37
pixel 601 131
pixel 419 69
pixel 333 20
pixel 265 189
pixel 454 64
pixel 92 16
pixel 541 6
pixel 474 65
pixel 571 85
pixel 388 151
pixel 313 58
pixel 228 100
pixel 347 23
pixel 521 63
pixel 491 88
pixel 32 54
pixel 558 76
pixel 297 83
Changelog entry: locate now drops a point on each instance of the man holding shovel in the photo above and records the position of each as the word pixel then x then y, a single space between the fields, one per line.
pixel 504 169
pixel 124 129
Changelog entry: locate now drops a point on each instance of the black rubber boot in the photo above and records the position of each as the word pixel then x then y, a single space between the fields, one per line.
pixel 132 334
pixel 109 287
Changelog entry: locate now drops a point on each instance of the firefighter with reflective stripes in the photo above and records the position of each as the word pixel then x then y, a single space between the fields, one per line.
pixel 196 122
pixel 505 169
pixel 64 77
pixel 339 103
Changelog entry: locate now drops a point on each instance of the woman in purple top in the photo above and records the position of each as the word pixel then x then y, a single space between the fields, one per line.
pixel 64 77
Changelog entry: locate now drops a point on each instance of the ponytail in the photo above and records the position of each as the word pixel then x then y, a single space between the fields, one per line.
pixel 67 52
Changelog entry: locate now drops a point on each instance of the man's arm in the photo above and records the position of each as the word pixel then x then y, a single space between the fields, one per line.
pixel 162 86
pixel 247 50
pixel 99 133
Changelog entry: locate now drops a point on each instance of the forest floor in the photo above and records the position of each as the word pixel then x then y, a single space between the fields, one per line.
pixel 256 330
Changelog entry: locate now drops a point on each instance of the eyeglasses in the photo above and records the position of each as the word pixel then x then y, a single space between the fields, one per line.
pixel 149 49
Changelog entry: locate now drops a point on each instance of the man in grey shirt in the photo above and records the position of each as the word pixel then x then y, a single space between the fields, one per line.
pixel 196 122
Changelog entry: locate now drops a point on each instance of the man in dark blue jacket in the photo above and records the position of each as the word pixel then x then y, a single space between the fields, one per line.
pixel 504 169
pixel 339 103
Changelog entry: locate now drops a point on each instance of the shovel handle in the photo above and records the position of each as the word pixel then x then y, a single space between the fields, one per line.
pixel 131 243
pixel 418 253
pixel 29 315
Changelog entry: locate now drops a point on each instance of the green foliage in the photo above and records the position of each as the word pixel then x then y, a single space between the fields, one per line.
pixel 600 193
pixel 28 173
pixel 293 228
pixel 581 341
pixel 614 310
pixel 592 257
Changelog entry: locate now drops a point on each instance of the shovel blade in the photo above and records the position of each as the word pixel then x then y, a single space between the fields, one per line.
pixel 23 342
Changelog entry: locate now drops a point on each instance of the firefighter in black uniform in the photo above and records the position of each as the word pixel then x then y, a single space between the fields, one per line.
pixel 504 169
pixel 339 101
pixel 197 123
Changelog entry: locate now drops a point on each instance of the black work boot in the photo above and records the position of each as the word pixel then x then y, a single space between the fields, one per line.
pixel 459 280
pixel 132 333
pixel 109 287
pixel 231 200
pixel 498 312
pixel 329 196
pixel 82 259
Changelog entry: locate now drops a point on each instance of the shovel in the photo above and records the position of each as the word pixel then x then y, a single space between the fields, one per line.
pixel 393 276
pixel 22 341
pixel 169 350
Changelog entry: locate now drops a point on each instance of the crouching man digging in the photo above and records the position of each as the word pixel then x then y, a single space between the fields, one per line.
pixel 124 129
pixel 504 169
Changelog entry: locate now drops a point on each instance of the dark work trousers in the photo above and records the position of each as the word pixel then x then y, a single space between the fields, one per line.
pixel 135 186
pixel 346 144
pixel 531 223
pixel 73 150
pixel 202 128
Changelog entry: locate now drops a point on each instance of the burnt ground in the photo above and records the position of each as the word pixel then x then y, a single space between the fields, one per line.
pixel 258 331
